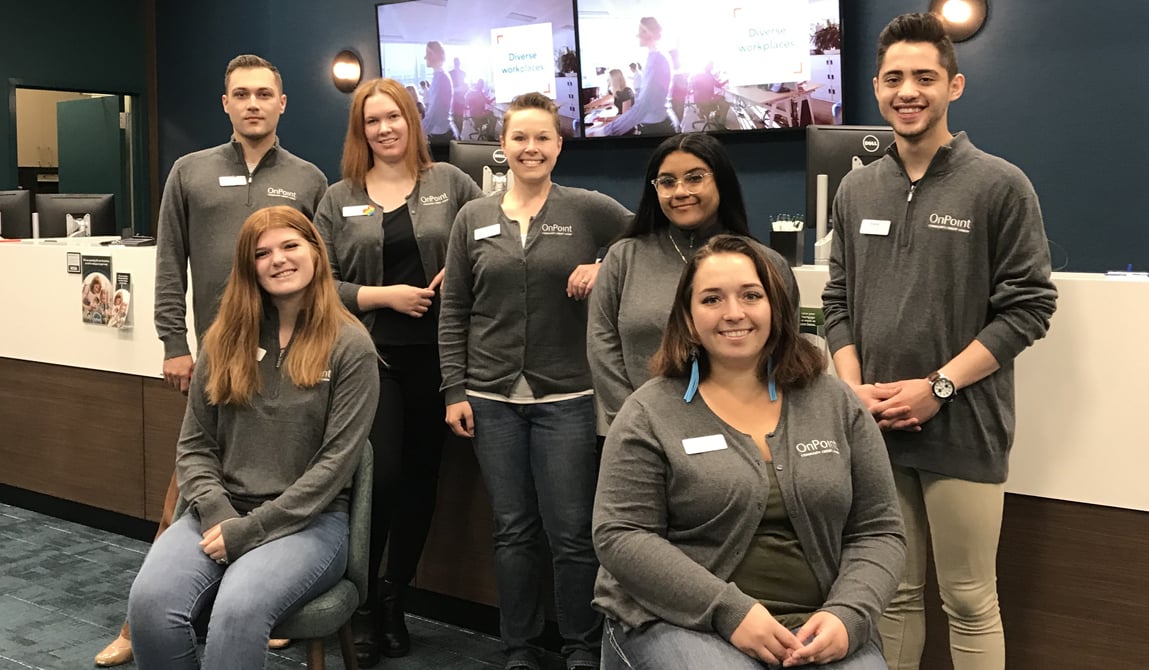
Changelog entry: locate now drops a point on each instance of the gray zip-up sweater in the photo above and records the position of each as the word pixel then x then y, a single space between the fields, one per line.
pixel 670 527
pixel 355 239
pixel 505 310
pixel 966 258
pixel 207 197
pixel 273 466
pixel 631 303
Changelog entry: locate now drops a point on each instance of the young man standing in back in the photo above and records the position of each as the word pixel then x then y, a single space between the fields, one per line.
pixel 939 278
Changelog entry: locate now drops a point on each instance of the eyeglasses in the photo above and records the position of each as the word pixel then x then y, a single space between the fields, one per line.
pixel 667 185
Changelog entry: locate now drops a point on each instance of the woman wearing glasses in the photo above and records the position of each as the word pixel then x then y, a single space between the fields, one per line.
pixel 515 376
pixel 693 194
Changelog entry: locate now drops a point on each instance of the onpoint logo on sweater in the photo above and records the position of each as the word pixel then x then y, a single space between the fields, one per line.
pixel 434 199
pixel 947 222
pixel 273 192
pixel 816 447
pixel 556 229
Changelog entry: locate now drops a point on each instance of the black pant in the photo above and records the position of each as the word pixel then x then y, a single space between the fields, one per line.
pixel 663 127
pixel 407 437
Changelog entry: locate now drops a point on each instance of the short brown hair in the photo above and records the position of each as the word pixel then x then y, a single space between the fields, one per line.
pixel 796 360
pixel 357 156
pixel 532 101
pixel 250 61
pixel 919 27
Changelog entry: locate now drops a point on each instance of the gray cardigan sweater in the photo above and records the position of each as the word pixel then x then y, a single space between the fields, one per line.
pixel 966 258
pixel 505 311
pixel 269 468
pixel 207 197
pixel 355 242
pixel 671 527
pixel 631 303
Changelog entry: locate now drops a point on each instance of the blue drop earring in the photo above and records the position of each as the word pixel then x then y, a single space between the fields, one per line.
pixel 770 380
pixel 692 385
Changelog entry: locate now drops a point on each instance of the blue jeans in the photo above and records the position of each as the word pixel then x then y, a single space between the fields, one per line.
pixel 663 646
pixel 540 466
pixel 178 581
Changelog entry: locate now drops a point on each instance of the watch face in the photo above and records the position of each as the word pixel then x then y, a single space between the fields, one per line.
pixel 943 388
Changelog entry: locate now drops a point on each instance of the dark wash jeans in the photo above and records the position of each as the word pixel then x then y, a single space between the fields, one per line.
pixel 540 466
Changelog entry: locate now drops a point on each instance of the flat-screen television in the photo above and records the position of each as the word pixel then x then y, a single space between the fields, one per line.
pixel 76 214
pixel 16 214
pixel 466 60
pixel 720 66
pixel 484 162
pixel 833 151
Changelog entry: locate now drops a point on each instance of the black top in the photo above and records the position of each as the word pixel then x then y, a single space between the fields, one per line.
pixel 403 265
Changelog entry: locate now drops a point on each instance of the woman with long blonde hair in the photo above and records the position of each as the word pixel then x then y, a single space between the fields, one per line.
pixel 386 226
pixel 279 410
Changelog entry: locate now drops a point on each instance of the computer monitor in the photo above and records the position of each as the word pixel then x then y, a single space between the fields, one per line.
pixel 16 214
pixel 76 214
pixel 484 162
pixel 833 151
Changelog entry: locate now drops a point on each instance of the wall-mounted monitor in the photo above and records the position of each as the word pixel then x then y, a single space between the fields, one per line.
pixel 831 152
pixel 76 214
pixel 491 51
pixel 16 214
pixel 484 162
pixel 725 66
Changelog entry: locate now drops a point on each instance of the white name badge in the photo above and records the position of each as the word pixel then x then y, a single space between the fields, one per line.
pixel 487 231
pixel 260 353
pixel 699 445
pixel 875 227
pixel 233 180
pixel 358 210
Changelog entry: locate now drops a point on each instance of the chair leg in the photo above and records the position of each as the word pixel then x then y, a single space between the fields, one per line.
pixel 315 654
pixel 347 646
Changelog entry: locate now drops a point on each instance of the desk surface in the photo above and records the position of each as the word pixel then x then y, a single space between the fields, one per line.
pixel 1079 393
pixel 764 97
pixel 40 302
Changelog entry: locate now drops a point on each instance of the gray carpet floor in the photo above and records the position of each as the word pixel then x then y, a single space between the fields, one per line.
pixel 64 589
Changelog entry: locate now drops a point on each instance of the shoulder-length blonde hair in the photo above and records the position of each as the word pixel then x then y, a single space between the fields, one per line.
pixel 233 338
pixel 357 156
pixel 796 360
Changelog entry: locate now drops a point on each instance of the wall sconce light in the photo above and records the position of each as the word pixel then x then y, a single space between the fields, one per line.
pixel 346 70
pixel 962 18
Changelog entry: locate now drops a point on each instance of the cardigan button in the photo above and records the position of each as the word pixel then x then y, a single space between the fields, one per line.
pixel 778 468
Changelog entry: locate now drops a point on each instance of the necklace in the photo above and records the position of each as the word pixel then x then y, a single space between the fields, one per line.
pixel 678 249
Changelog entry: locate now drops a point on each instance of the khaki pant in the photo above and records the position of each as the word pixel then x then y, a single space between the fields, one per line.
pixel 963 519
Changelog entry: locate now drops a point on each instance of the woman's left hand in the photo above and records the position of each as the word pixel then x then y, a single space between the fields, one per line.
pixel 824 639
pixel 212 544
pixel 581 281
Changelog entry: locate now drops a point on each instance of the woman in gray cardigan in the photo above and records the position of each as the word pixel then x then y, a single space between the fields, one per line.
pixel 745 512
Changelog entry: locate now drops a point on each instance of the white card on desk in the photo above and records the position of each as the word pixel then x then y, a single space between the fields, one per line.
pixel 358 210
pixel 487 231
pixel 233 180
pixel 698 445
pixel 875 227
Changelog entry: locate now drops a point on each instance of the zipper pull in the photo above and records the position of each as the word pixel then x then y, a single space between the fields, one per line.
pixel 910 197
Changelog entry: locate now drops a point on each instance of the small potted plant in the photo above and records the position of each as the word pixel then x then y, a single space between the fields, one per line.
pixel 826 39
pixel 566 63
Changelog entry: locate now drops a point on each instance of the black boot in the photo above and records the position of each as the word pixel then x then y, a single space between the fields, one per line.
pixel 364 624
pixel 394 640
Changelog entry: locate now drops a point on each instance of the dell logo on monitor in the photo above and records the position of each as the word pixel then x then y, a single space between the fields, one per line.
pixel 871 143
pixel 499 156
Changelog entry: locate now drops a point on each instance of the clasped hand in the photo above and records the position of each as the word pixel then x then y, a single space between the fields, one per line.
pixel 212 543
pixel 899 405
pixel 760 636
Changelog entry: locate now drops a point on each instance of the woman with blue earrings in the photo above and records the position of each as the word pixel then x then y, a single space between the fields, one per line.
pixel 745 515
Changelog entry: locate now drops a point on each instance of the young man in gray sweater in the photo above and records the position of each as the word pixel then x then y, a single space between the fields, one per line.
pixel 208 196
pixel 939 278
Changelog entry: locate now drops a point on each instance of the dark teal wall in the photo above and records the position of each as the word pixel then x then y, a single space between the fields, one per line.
pixel 1056 86
pixel 72 45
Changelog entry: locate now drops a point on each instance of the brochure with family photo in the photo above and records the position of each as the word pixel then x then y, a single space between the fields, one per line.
pixel 97 288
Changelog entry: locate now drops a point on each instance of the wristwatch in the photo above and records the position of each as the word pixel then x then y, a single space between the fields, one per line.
pixel 942 386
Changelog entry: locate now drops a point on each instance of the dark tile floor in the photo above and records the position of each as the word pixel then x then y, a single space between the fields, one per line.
pixel 63 593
